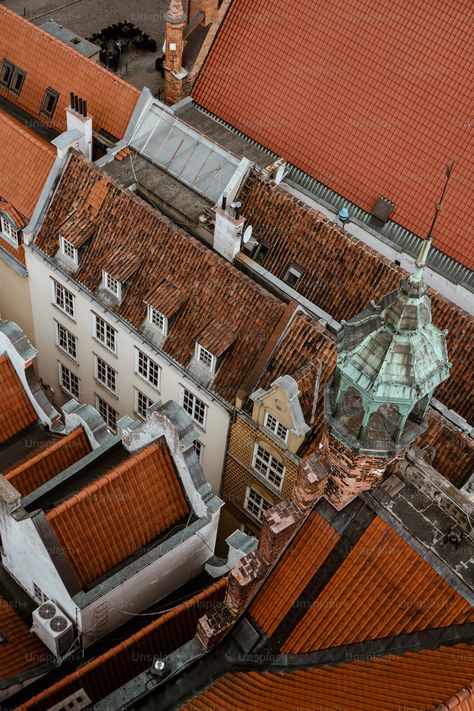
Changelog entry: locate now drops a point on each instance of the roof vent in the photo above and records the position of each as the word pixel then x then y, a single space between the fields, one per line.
pixel 383 209
pixel 78 105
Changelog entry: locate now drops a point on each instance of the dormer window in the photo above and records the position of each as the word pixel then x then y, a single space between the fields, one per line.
pixel 206 358
pixel 68 250
pixel 8 230
pixel 112 285
pixel 293 275
pixel 158 320
pixel 272 424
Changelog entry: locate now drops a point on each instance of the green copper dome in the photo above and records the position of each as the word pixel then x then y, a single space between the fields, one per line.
pixel 391 354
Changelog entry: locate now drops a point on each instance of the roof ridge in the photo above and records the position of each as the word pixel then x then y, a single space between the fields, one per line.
pixel 42 454
pixel 108 477
pixel 66 48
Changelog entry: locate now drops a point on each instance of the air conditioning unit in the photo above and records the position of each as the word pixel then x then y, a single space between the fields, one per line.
pixel 53 628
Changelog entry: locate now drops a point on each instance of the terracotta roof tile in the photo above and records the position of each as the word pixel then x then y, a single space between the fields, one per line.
pixel 452 450
pixel 342 274
pixel 50 63
pixel 26 162
pixel 16 411
pixel 218 336
pixel 349 94
pixel 166 298
pixel 110 670
pixel 166 253
pixel 383 588
pixel 121 264
pixel 303 557
pixel 415 680
pixel 78 228
pixel 21 649
pixel 46 464
pixel 124 509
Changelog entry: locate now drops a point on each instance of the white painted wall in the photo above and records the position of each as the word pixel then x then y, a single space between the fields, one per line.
pixel 214 437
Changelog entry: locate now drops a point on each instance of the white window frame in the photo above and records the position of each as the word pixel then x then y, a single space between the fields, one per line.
pixel 105 410
pixel 113 286
pixel 110 374
pixel 275 427
pixel 69 251
pixel 146 368
pixel 262 506
pixel 9 231
pixel 138 409
pixel 198 447
pixel 155 315
pixel 68 337
pixel 205 358
pixel 100 325
pixel 296 271
pixel 268 466
pixel 193 405
pixel 61 302
pixel 69 388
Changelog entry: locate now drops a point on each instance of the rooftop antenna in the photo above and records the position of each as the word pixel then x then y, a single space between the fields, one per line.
pixel 426 244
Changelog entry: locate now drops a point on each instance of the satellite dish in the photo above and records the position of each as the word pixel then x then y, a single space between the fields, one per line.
pixel 280 174
pixel 247 234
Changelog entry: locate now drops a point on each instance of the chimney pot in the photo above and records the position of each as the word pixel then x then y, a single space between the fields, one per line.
pixel 80 107
pixel 85 109
pixel 71 98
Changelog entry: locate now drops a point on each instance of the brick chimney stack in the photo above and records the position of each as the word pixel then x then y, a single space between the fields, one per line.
pixel 175 22
pixel 209 8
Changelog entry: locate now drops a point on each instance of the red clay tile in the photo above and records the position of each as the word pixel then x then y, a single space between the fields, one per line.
pixel 16 411
pixel 369 98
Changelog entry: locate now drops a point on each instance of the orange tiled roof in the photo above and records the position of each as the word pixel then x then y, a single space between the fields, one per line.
pixel 16 411
pixel 304 556
pixel 21 649
pixel 382 589
pixel 165 252
pixel 49 63
pixel 452 450
pixel 126 508
pixel 350 94
pixel 40 468
pixel 342 274
pixel 413 681
pixel 110 670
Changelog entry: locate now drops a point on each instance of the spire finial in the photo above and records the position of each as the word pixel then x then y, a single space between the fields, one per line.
pixel 175 10
pixel 426 244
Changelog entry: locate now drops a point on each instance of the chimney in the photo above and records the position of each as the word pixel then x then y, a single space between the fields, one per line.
pixel 209 8
pixel 175 22
pixel 228 228
pixel 78 120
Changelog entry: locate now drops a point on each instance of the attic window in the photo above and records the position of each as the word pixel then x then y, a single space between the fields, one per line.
pixel 206 358
pixel 112 285
pixel 158 320
pixel 12 77
pixel 9 231
pixel 68 250
pixel 261 253
pixel 50 101
pixel 293 275
pixel 272 424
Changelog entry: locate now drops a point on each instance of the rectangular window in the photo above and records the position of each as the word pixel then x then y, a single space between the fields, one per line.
pixel 198 448
pixel 142 403
pixel 107 412
pixel 8 230
pixel 267 465
pixel 105 333
pixel 276 427
pixel 50 101
pixel 158 320
pixel 12 77
pixel 205 357
pixel 148 369
pixel 63 299
pixel 38 594
pixel 68 381
pixel 261 253
pixel 293 275
pixel 68 250
pixel 66 341
pixel 194 407
pixel 111 285
pixel 256 504
pixel 106 375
